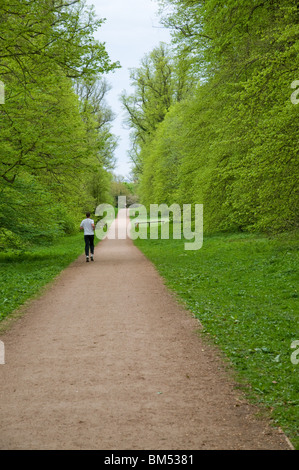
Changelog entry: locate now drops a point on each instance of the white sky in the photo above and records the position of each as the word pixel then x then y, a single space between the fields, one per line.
pixel 131 30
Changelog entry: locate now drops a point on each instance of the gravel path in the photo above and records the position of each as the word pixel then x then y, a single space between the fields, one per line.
pixel 107 359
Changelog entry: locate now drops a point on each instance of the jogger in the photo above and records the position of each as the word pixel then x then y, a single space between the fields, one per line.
pixel 88 226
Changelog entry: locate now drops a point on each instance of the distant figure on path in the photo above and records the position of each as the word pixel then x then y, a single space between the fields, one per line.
pixel 88 226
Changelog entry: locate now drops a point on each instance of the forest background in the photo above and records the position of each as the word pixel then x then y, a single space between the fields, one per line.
pixel 213 117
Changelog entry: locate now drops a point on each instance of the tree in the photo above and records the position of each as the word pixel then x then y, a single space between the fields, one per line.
pixel 37 37
pixel 50 146
pixel 158 83
pixel 231 143
pixel 98 117
pixel 119 187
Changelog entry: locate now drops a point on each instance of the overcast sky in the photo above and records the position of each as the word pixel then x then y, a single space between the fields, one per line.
pixel 131 30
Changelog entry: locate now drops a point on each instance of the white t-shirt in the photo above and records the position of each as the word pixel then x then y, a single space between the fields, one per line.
pixel 87 225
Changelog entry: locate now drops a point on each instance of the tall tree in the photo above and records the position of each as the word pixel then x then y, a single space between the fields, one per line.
pixel 158 83
pixel 236 147
pixel 46 148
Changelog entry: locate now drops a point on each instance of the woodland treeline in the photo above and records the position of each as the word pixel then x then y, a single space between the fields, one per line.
pixel 56 146
pixel 211 115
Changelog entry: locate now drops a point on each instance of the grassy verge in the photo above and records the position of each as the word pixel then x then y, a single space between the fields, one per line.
pixel 243 289
pixel 23 275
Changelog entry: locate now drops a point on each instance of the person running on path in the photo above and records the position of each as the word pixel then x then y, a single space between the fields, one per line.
pixel 88 226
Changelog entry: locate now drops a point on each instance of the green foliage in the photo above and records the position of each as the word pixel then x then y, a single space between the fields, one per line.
pixel 158 83
pixel 61 38
pixel 243 288
pixel 231 142
pixel 56 149
pixel 119 187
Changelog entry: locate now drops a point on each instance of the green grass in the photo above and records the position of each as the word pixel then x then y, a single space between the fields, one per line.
pixel 243 289
pixel 23 275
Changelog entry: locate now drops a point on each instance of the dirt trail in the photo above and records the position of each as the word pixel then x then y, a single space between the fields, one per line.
pixel 107 359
